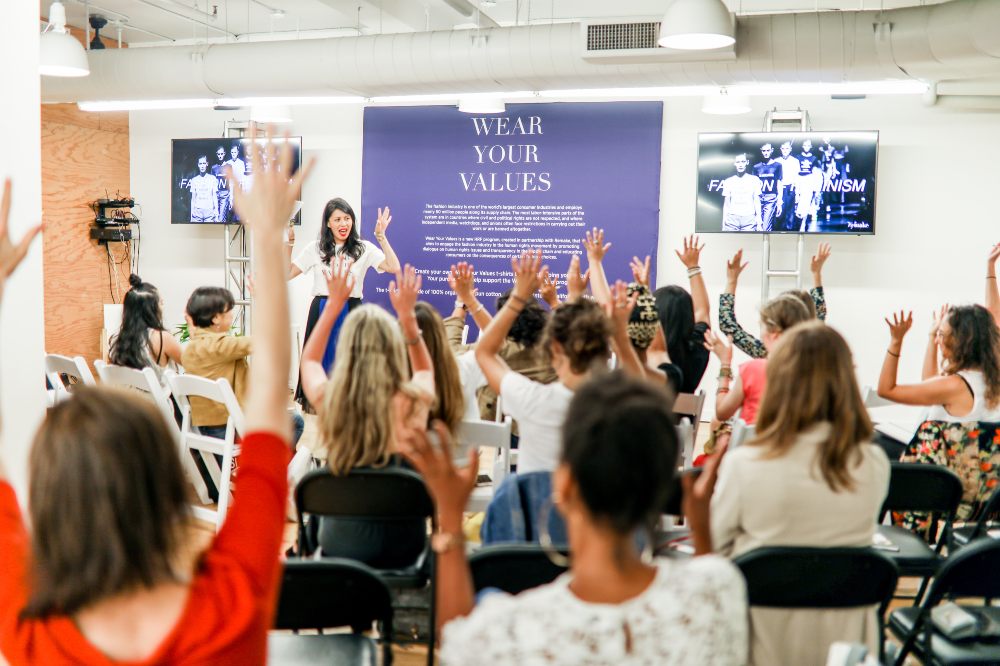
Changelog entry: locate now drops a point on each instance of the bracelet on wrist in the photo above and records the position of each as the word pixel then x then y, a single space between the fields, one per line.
pixel 891 353
pixel 721 390
pixel 991 277
pixel 522 301
pixel 413 341
pixel 726 371
pixel 479 309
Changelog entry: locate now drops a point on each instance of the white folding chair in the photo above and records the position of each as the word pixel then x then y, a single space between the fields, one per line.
pixel 145 381
pixel 688 408
pixel 184 387
pixel 75 369
pixel 742 432
pixel 474 434
pixel 872 399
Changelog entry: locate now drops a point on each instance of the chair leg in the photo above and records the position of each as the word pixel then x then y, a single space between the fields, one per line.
pixel 921 590
pixel 433 612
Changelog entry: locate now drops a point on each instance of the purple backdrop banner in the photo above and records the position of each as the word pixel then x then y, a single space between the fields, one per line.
pixel 481 188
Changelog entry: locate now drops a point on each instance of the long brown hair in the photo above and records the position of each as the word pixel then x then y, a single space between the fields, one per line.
pixel 356 420
pixel 107 501
pixel 450 404
pixel 974 344
pixel 810 380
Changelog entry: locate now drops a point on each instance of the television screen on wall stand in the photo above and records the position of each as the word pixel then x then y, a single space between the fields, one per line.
pixel 787 182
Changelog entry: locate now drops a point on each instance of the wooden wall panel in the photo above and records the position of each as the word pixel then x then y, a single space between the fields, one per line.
pixel 85 156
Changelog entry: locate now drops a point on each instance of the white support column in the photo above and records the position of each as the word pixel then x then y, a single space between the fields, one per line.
pixel 22 325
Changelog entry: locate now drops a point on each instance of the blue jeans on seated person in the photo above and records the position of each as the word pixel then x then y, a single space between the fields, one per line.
pixel 219 431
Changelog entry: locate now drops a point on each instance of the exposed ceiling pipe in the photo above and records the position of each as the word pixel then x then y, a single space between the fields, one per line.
pixel 952 41
pixel 189 18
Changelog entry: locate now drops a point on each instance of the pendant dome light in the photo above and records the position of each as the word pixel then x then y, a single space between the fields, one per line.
pixel 693 25
pixel 59 53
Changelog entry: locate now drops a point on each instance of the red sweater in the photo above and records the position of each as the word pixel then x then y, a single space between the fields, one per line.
pixel 232 599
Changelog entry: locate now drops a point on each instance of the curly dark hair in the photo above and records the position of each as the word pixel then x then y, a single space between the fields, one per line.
pixel 327 244
pixel 530 323
pixel 583 331
pixel 974 344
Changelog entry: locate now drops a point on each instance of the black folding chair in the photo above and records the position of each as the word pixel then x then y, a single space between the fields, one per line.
pixel 931 489
pixel 512 568
pixel 985 520
pixel 969 573
pixel 324 594
pixel 786 577
pixel 389 494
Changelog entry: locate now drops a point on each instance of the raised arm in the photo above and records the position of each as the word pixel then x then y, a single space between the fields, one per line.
pixel 619 309
pixel 293 271
pixel 340 283
pixel 729 394
pixel 816 267
pixel 931 353
pixel 461 279
pixel 949 391
pixel 450 487
pixel 576 284
pixel 596 249
pixel 265 210
pixel 699 294
pixel 992 292
pixel 549 290
pixel 391 263
pixel 526 281
pixel 728 325
pixel 403 292
pixel 640 271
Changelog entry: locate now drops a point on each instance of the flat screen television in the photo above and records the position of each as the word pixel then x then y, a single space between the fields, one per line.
pixel 787 182
pixel 199 192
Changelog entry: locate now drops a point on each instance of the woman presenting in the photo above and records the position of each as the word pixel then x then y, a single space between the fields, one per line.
pixel 339 236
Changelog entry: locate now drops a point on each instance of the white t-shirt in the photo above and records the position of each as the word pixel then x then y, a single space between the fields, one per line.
pixel 742 192
pixel 309 260
pixel 693 613
pixel 539 410
pixel 204 191
pixel 472 378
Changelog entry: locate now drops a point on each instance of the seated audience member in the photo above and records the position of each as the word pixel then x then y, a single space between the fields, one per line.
pixel 777 316
pixel 578 338
pixel 962 394
pixel 617 461
pixel 369 402
pixel 143 341
pixel 213 352
pixel 449 404
pixel 684 318
pixel 810 477
pixel 521 350
pixel 104 571
pixel 643 325
pixel 814 300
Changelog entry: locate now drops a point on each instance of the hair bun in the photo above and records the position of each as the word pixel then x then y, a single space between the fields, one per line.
pixel 134 280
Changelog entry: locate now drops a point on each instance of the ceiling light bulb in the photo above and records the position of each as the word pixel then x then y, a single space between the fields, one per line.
pixel 697 25
pixel 59 53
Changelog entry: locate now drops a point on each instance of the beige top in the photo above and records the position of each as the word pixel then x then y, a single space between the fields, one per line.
pixel 784 501
pixel 212 355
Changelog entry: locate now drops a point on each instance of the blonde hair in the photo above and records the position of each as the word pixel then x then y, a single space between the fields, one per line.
pixel 357 420
pixel 810 380
pixel 782 312
pixel 450 403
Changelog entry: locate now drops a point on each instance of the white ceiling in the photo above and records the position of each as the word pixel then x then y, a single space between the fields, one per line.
pixel 195 20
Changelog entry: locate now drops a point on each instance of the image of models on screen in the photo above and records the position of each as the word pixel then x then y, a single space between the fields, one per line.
pixel 787 182
pixel 199 191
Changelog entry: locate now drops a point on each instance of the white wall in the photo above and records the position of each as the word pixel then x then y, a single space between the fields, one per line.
pixel 22 400
pixel 934 218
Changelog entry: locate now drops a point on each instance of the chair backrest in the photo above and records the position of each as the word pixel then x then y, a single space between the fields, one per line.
pixel 387 493
pixel 186 385
pixel 691 406
pixel 988 512
pixel 923 487
pixel 492 434
pixel 970 572
pixel 512 568
pixel 144 380
pixel 871 398
pixel 742 433
pixel 332 592
pixel 785 577
pixel 57 365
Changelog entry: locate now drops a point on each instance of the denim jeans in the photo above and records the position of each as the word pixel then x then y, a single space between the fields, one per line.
pixel 298 425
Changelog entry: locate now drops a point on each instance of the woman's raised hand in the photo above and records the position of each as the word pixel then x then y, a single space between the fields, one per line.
pixel 461 279
pixel 596 248
pixel 576 284
pixel 340 280
pixel 900 325
pixel 818 259
pixel 526 273
pixel 11 255
pixel 734 267
pixel 549 288
pixel 382 223
pixel 621 305
pixel 640 270
pixel 721 347
pixel 691 252
pixel 403 291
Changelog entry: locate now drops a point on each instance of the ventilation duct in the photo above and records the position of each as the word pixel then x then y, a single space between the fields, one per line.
pixel 954 41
